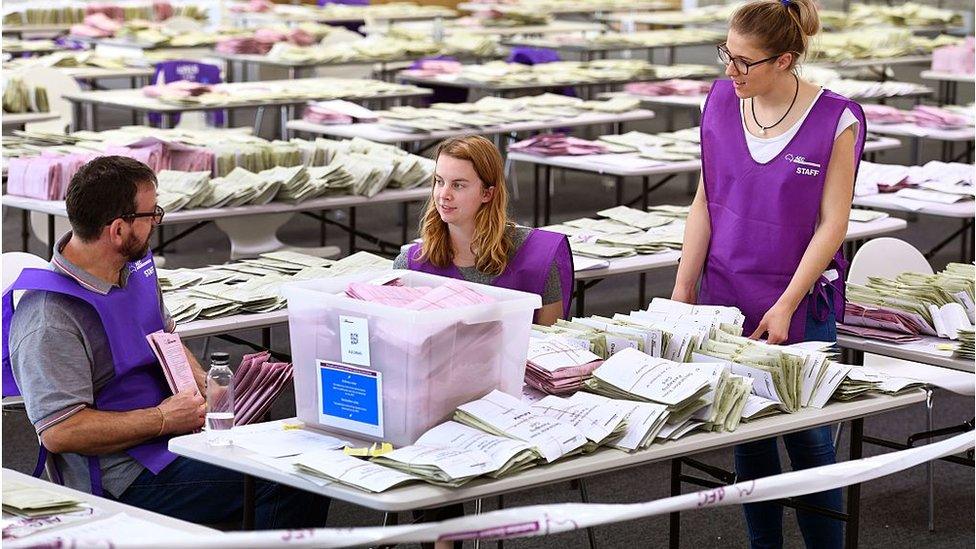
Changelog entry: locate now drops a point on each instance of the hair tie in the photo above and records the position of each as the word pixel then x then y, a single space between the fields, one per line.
pixel 786 3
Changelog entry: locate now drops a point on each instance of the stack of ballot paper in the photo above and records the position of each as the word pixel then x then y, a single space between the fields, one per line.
pixel 385 47
pixel 503 415
pixel 559 366
pixel 505 455
pixel 966 348
pixel 257 384
pixel 441 465
pixel 633 375
pixel 647 39
pixel 861 380
pixel 913 303
pixel 601 422
pixel 251 285
pixel 336 466
pixel 29 501
pixel 642 420
pixel 449 295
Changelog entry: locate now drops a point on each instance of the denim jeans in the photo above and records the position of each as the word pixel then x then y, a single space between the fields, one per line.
pixel 806 449
pixel 199 492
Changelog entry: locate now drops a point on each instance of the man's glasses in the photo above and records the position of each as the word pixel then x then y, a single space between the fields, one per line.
pixel 156 215
pixel 741 66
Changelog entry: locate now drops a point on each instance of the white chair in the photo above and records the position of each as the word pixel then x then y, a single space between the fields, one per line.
pixel 57 84
pixel 889 257
pixel 253 235
pixel 12 264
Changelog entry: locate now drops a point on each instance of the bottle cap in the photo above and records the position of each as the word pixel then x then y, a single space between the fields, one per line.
pixel 220 358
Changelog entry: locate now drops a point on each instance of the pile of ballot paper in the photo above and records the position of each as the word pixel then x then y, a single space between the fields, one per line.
pixel 10 45
pixel 874 43
pixel 449 295
pixel 643 39
pixel 69 59
pixel 186 93
pixel 557 144
pixel 495 111
pixel 559 365
pixel 903 14
pixel 622 232
pixel 926 116
pixel 719 13
pixel 967 344
pixel 504 74
pixel 911 305
pixel 25 500
pixel 18 97
pixel 674 146
pixel 251 285
pixel 388 47
pixel 861 380
pixel 152 11
pixel 676 86
pixel 935 182
pixel 956 59
pixel 257 384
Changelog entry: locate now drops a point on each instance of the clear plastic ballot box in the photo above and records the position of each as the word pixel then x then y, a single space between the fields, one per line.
pixel 376 372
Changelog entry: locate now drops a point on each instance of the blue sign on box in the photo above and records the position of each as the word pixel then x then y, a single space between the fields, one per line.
pixel 350 398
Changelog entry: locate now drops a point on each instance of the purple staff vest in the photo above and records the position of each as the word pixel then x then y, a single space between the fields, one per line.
pixel 527 271
pixel 763 216
pixel 128 315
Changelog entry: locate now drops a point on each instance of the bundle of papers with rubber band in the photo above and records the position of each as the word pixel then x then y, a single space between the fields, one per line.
pixel 559 366
pixel 912 304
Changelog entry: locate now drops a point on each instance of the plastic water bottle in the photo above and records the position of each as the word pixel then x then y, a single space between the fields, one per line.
pixel 220 400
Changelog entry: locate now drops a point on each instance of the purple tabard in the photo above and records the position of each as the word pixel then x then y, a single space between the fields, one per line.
pixel 128 315
pixel 763 215
pixel 528 269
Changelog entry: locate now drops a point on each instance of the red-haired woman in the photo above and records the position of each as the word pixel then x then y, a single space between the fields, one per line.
pixel 466 232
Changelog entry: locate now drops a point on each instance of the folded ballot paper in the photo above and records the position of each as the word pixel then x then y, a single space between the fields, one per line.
pixel 336 466
pixel 257 384
pixel 446 296
pixel 171 354
pixel 559 366
pixel 602 423
pixel 633 375
pixel 30 501
pixel 860 380
pixel 501 414
pixel 505 455
pixel 642 421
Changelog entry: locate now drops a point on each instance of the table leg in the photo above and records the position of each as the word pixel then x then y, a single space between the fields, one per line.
pixel 929 473
pixel 580 297
pixel 535 195
pixel 247 521
pixel 352 229
pixel 258 119
pixel 134 83
pixel 404 221
pixel 618 184
pixel 642 290
pixel 645 191
pixel 77 123
pixel 283 119
pixel 854 490
pixel 674 519
pixel 547 213
pixel 24 230
pixel 266 337
pixel 50 236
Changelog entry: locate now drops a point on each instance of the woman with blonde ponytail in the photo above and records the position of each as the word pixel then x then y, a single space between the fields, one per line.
pixel 779 159
pixel 466 233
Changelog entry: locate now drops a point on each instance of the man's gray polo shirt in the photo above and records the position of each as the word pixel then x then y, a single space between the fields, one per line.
pixel 60 357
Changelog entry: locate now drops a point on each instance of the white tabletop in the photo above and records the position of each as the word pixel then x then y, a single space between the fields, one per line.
pixel 567 8
pixel 887 61
pixel 106 505
pixel 924 351
pixel 420 495
pixel 136 100
pixel 381 134
pixel 948 76
pixel 555 27
pixel 964 209
pixel 17 120
pixel 452 81
pixel 621 266
pixel 913 130
pixel 696 101
pixel 28 29
pixel 389 196
pixel 95 73
pixel 581 163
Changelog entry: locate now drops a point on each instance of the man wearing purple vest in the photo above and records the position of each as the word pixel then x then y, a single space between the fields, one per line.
pixel 76 349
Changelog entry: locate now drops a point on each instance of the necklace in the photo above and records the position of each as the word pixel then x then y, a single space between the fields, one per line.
pixel 752 104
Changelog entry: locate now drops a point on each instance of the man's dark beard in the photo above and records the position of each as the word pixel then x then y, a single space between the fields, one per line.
pixel 134 250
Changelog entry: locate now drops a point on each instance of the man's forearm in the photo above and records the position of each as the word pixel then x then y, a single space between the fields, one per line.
pixel 95 432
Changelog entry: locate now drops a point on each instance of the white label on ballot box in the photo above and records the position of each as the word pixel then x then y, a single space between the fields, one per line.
pixel 354 340
pixel 350 398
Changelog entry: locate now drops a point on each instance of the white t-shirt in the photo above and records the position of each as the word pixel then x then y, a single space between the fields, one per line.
pixel 764 149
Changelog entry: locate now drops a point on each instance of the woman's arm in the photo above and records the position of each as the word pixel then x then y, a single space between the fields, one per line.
pixel 698 232
pixel 549 314
pixel 835 209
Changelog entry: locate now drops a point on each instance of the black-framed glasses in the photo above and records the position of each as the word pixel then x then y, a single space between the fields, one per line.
pixel 741 66
pixel 156 215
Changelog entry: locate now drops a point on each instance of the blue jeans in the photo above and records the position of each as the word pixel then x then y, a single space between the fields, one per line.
pixel 806 449
pixel 199 492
